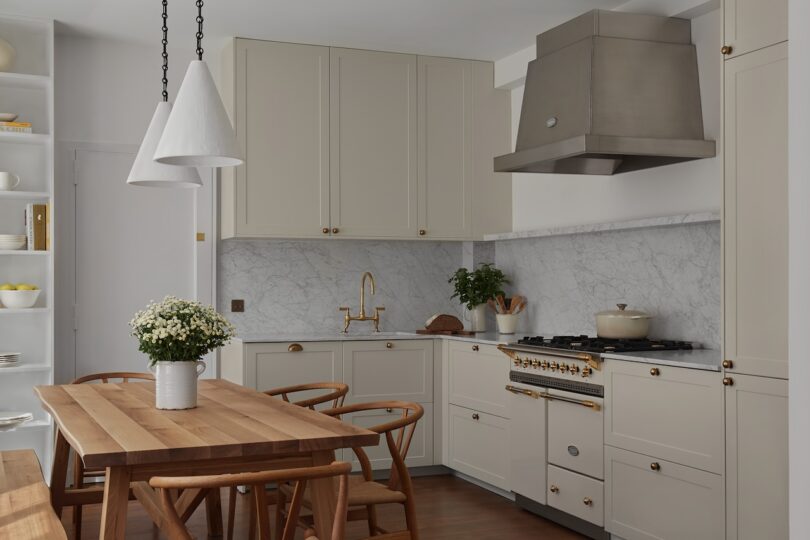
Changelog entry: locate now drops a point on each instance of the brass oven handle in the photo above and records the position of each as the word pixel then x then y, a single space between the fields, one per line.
pixel 545 395
pixel 524 391
pixel 295 347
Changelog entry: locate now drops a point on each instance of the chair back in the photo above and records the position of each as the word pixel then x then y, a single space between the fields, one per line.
pixel 398 435
pixel 125 376
pixel 335 394
pixel 257 481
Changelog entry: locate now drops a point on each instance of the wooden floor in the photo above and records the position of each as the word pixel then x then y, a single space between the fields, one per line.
pixel 448 509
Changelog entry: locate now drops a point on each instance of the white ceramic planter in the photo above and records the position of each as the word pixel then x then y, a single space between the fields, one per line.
pixel 477 318
pixel 507 322
pixel 176 384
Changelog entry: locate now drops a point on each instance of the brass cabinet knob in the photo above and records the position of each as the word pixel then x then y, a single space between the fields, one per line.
pixel 728 381
pixel 422 232
pixel 726 50
pixel 389 345
pixel 655 372
pixel 475 416
pixel 655 466
pixel 325 230
pixel 554 489
pixel 389 409
pixel 587 501
pixel 475 347
pixel 295 347
pixel 728 364
pixel 335 230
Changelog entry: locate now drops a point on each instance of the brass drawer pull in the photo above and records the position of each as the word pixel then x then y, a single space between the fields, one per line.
pixel 335 230
pixel 422 232
pixel 389 409
pixel 554 489
pixel 728 381
pixel 655 372
pixel 389 345
pixel 587 501
pixel 728 364
pixel 325 230
pixel 475 347
pixel 655 466
pixel 295 347
pixel 726 50
pixel 475 416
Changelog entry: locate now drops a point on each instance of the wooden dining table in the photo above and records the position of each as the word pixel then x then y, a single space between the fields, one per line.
pixel 116 428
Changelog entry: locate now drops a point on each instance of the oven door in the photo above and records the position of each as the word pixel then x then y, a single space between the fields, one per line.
pixel 527 441
pixel 576 432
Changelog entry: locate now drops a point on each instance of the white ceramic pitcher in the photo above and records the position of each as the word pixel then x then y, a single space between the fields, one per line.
pixel 176 384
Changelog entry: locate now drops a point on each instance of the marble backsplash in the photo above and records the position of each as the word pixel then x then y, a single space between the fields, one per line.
pixel 296 286
pixel 671 272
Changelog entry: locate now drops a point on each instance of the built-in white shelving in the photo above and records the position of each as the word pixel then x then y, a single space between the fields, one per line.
pixel 27 90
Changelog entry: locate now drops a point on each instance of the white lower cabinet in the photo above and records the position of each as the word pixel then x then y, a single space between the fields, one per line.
pixel 477 375
pixel 576 494
pixel 652 499
pixel 420 451
pixel 527 442
pixel 273 365
pixel 478 445
pixel 385 370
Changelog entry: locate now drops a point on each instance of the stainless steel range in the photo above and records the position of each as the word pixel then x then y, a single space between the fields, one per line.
pixel 557 436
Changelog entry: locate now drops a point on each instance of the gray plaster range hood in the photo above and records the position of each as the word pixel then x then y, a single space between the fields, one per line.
pixel 610 92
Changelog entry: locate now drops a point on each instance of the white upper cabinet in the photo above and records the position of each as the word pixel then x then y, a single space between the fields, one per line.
pixel 373 144
pixel 282 124
pixel 755 215
pixel 753 24
pixel 445 147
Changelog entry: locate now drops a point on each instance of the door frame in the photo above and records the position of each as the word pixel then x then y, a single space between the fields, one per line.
pixel 205 252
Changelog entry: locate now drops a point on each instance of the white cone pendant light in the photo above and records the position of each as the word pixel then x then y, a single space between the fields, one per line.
pixel 145 170
pixel 199 132
pixel 148 172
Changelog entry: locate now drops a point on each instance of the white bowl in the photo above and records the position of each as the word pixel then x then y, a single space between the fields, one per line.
pixel 7 117
pixel 19 299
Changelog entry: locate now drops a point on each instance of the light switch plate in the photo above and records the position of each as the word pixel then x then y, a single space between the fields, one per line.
pixel 237 306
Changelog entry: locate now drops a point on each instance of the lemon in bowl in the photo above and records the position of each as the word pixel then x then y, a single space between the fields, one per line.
pixel 20 296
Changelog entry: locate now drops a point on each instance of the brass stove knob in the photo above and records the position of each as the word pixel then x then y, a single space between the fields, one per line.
pixel 573 369
pixel 586 371
pixel 535 363
pixel 544 365
pixel 553 366
pixel 516 361
pixel 525 362
pixel 563 368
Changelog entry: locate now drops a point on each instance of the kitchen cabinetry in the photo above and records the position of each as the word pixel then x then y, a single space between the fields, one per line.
pixel 478 445
pixel 350 143
pixel 649 498
pixel 756 220
pixel 282 124
pixel 373 143
pixel 576 494
pixel 753 24
pixel 527 442
pixel 385 370
pixel 477 375
pixel 757 459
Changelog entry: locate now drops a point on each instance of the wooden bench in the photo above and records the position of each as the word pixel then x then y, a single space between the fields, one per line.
pixel 25 500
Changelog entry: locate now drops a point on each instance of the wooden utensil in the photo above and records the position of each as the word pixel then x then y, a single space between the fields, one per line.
pixel 501 304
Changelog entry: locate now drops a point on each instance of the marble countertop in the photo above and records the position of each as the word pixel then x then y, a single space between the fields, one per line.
pixel 489 338
pixel 706 359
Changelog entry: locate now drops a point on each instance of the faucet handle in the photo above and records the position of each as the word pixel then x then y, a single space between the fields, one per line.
pixel 344 308
pixel 379 308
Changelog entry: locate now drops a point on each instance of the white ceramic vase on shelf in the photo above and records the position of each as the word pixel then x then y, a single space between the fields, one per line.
pixel 176 384
pixel 7 54
pixel 477 318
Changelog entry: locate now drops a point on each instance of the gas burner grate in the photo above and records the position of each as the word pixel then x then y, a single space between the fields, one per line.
pixel 601 345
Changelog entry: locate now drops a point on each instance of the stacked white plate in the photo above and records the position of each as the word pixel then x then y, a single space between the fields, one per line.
pixel 11 419
pixel 8 359
pixel 12 241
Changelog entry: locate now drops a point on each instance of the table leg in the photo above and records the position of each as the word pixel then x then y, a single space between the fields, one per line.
pixel 213 512
pixel 324 497
pixel 114 508
pixel 61 456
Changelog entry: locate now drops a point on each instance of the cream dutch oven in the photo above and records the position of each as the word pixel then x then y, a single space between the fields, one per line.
pixel 622 323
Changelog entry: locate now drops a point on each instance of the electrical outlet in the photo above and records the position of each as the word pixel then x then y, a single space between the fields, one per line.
pixel 237 306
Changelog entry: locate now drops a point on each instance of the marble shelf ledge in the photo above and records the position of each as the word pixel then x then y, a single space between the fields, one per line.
pixel 663 221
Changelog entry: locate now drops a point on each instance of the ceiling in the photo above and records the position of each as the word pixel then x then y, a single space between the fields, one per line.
pixel 482 29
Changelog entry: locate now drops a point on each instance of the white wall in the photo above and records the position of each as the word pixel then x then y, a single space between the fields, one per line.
pixel 546 200
pixel 799 270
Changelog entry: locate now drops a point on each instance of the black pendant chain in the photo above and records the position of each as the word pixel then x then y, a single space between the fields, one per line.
pixel 165 55
pixel 199 29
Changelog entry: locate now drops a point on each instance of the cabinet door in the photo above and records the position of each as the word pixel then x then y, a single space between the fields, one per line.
pixel 756 217
pixel 477 375
pixel 478 444
pixel 389 370
pixel 445 147
pixel 282 124
pixel 373 151
pixel 282 364
pixel 420 452
pixel 757 458
pixel 527 443
pixel 576 494
pixel 668 412
pixel 651 499
pixel 753 24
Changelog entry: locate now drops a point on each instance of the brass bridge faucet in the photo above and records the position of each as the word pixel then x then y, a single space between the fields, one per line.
pixel 348 318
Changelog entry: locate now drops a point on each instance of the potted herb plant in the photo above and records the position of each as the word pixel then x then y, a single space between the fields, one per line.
pixel 175 334
pixel 474 288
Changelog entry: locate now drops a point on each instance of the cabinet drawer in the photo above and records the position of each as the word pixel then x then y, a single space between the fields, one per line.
pixel 477 375
pixel 576 494
pixel 283 364
pixel 575 435
pixel 672 413
pixel 382 370
pixel 671 503
pixel 420 452
pixel 477 445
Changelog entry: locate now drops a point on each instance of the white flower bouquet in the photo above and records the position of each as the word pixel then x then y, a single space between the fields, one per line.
pixel 175 330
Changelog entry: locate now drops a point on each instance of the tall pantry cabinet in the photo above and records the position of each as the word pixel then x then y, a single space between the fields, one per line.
pixel 755 268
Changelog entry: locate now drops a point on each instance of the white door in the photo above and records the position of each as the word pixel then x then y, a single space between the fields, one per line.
pixel 133 245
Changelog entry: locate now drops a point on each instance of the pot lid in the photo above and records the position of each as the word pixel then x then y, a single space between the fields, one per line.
pixel 624 313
